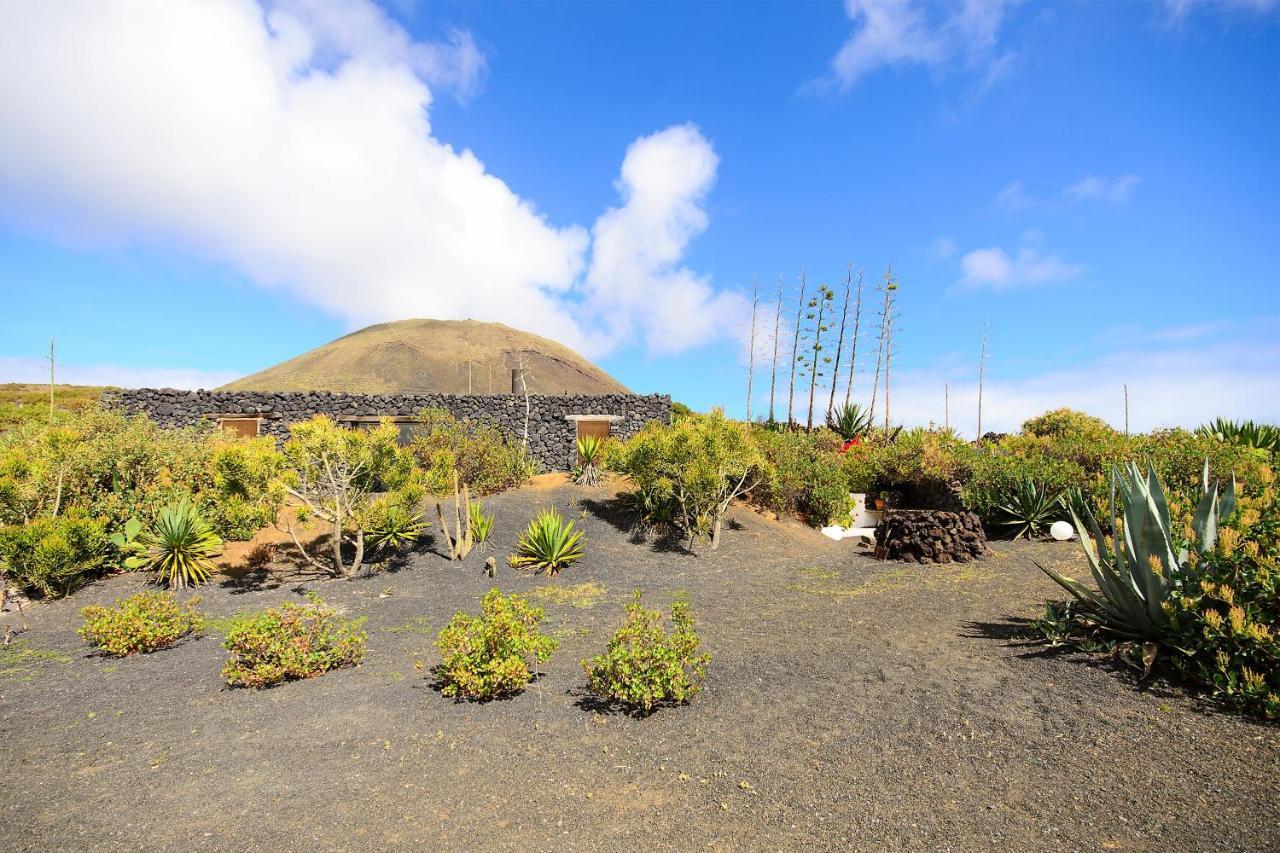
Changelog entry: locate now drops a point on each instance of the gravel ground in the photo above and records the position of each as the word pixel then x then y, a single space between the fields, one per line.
pixel 850 705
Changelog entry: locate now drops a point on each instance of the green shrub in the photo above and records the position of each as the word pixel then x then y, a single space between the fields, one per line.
pixel 1068 424
pixel 548 544
pixel 644 666
pixel 335 473
pixel 801 474
pixel 111 466
pixel 246 492
pixel 140 623
pixel 1226 623
pixel 700 464
pixel 289 642
pixel 53 557
pixel 179 548
pixel 486 459
pixel 493 654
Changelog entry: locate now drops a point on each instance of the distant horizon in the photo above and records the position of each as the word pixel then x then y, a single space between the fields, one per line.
pixel 202 191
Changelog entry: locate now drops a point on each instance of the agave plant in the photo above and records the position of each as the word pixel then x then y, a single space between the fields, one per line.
pixel 1261 437
pixel 394 525
pixel 850 421
pixel 180 548
pixel 548 544
pixel 1030 509
pixel 1137 576
pixel 481 524
pixel 590 448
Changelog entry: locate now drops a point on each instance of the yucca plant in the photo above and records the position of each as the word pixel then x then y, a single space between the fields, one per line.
pixel 481 524
pixel 1136 576
pixel 180 547
pixel 590 449
pixel 850 421
pixel 393 525
pixel 548 544
pixel 1260 437
pixel 1030 509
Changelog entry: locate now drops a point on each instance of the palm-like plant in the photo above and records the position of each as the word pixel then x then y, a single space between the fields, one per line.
pixel 1137 577
pixel 850 421
pixel 1029 509
pixel 590 448
pixel 548 544
pixel 180 548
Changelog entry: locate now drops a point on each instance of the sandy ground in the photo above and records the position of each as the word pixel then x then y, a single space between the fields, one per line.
pixel 850 705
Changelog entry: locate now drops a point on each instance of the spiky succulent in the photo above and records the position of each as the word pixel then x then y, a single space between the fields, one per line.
pixel 548 544
pixel 1138 575
pixel 850 421
pixel 1030 509
pixel 1261 437
pixel 180 547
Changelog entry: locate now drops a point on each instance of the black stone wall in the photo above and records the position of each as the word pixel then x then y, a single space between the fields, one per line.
pixel 552 435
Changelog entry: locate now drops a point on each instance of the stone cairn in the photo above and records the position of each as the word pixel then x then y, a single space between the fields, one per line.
pixel 930 536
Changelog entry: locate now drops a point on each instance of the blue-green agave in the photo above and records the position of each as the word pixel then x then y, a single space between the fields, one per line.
pixel 1136 577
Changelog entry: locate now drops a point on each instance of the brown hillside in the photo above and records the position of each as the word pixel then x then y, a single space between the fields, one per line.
pixel 434 356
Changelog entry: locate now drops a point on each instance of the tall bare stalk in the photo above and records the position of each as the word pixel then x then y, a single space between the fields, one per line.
pixel 982 373
pixel 751 349
pixel 884 313
pixel 853 351
pixel 777 332
pixel 795 352
pixel 51 379
pixel 822 302
pixel 891 295
pixel 844 322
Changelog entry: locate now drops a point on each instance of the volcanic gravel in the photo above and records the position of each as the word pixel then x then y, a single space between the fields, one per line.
pixel 850 704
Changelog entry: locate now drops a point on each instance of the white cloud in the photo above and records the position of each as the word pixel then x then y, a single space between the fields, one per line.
pixel 634 277
pixel 294 144
pixel 1013 198
pixel 1167 388
pixel 1094 188
pixel 891 33
pixel 995 269
pixel 1177 11
pixel 36 371
pixel 942 249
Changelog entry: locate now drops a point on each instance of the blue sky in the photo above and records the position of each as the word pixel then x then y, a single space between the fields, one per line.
pixel 189 196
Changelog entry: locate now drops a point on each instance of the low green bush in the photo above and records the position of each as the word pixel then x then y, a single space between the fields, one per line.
pixel 692 470
pixel 486 459
pixel 1225 624
pixel 644 666
pixel 801 474
pixel 53 556
pixel 289 642
pixel 141 623
pixel 493 654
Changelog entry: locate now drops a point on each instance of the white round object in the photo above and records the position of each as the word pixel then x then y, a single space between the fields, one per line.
pixel 1062 531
